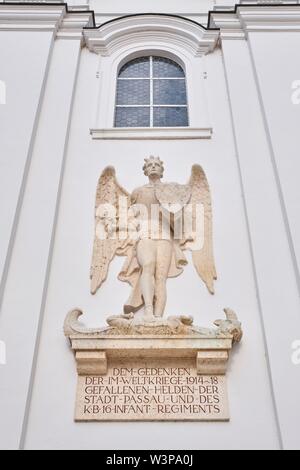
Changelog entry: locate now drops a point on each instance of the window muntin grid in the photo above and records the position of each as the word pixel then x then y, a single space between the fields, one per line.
pixel 151 92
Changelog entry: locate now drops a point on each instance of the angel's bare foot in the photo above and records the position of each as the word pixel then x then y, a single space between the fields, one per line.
pixel 149 319
pixel 149 315
pixel 158 315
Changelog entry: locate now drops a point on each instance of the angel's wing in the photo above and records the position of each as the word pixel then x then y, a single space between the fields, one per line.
pixel 203 258
pixel 107 242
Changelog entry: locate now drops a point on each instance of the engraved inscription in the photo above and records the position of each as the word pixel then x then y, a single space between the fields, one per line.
pixel 153 391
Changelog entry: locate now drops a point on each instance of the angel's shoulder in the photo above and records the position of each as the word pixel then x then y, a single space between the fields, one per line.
pixel 138 189
pixel 135 193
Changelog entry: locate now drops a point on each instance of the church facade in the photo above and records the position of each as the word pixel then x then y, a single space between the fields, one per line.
pixel 89 84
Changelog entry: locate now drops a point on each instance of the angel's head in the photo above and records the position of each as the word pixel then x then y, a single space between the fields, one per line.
pixel 153 167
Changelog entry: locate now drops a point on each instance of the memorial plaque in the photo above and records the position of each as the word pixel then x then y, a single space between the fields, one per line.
pixel 152 390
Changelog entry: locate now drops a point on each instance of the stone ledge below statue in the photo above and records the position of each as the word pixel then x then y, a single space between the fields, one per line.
pixel 175 337
pixel 131 325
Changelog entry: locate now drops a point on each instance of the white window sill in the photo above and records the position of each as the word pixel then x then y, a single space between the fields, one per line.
pixel 152 133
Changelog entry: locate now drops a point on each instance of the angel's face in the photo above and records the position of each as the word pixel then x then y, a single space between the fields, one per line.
pixel 154 169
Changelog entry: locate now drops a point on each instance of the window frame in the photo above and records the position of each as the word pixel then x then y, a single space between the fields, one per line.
pixel 152 105
pixel 103 98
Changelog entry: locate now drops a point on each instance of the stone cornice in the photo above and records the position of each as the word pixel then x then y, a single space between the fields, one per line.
pixel 256 18
pixel 271 18
pixel 54 18
pixel 141 28
pixel 31 17
pixel 73 25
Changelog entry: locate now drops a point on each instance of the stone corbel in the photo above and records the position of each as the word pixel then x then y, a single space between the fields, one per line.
pixel 212 362
pixel 91 362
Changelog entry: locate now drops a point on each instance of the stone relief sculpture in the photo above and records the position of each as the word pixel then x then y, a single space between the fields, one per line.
pixel 152 228
pixel 159 222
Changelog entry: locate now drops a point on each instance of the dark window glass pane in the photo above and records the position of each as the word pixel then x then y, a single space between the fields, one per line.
pixel 166 68
pixel 133 95
pixel 132 117
pixel 133 92
pixel 137 68
pixel 170 117
pixel 169 92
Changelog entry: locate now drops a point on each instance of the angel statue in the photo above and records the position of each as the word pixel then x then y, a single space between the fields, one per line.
pixel 152 227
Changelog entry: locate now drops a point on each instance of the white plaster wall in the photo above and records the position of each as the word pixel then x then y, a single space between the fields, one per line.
pixel 24 87
pixel 275 80
pixel 24 295
pixel 252 416
pixel 196 10
pixel 281 120
pixel 150 6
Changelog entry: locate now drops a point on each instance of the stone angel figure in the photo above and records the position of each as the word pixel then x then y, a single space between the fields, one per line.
pixel 152 227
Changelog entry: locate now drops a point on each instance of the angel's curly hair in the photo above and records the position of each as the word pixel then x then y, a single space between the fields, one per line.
pixel 150 160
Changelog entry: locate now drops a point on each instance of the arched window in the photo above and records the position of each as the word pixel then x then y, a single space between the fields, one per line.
pixel 151 92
